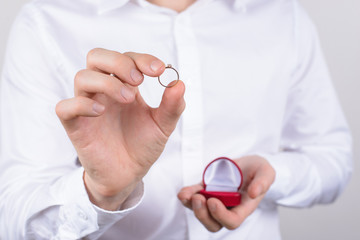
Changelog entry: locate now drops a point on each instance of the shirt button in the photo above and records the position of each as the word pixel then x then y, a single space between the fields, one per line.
pixel 83 216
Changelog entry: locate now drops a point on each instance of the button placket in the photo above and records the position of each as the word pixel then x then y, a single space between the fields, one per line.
pixel 192 118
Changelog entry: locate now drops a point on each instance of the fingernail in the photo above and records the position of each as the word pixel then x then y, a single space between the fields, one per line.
pixel 126 93
pixel 212 207
pixel 98 108
pixel 156 65
pixel 197 204
pixel 184 201
pixel 136 75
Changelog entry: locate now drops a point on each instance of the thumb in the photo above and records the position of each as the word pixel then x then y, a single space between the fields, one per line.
pixel 171 107
pixel 264 177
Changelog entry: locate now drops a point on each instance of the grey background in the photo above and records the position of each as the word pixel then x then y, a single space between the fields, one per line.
pixel 338 23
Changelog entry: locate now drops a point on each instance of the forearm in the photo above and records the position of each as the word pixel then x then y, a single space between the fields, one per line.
pixel 310 175
pixel 42 208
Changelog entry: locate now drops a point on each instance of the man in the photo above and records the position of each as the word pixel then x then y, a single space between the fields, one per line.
pixel 257 91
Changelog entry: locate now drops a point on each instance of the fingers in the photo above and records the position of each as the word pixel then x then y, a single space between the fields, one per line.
pixel 262 177
pixel 190 199
pixel 202 213
pixel 79 106
pixel 122 66
pixel 213 214
pixel 147 64
pixel 129 67
pixel 90 82
pixel 233 218
pixel 186 194
pixel 171 107
pixel 227 218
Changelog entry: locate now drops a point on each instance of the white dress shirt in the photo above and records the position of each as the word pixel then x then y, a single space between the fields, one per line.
pixel 256 83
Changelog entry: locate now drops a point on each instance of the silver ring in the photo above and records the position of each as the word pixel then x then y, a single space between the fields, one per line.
pixel 173 83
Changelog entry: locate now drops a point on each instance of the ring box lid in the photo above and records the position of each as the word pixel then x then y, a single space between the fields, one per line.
pixel 222 175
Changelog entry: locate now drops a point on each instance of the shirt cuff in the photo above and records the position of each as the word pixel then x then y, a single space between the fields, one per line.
pixel 78 216
pixel 296 182
pixel 135 198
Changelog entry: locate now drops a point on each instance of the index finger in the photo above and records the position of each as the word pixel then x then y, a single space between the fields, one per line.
pixel 128 67
pixel 147 64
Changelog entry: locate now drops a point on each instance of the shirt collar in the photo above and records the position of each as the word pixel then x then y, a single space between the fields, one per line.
pixel 108 5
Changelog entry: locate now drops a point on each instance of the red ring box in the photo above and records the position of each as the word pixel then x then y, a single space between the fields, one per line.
pixel 222 179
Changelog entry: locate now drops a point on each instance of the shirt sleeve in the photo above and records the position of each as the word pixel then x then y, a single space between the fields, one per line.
pixel 42 194
pixel 315 160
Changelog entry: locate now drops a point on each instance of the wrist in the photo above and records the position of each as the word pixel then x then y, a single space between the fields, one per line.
pixel 105 198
